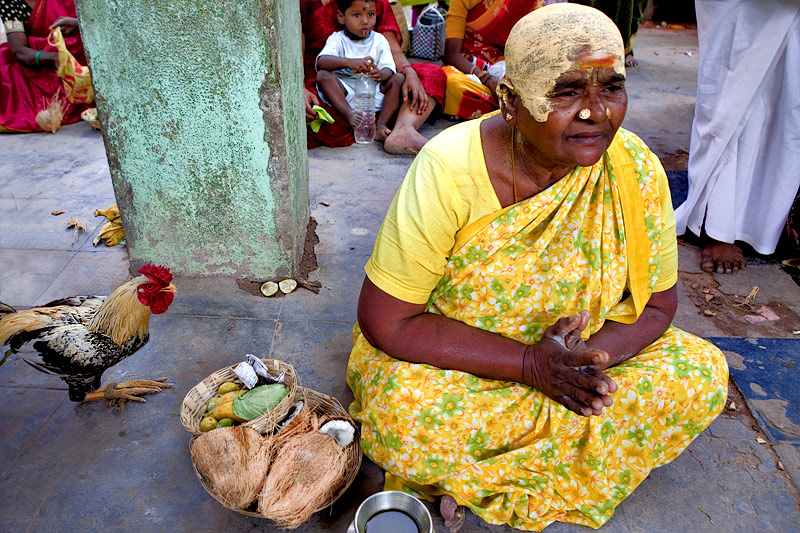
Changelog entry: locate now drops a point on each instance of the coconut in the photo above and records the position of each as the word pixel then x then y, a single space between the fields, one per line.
pixel 295 410
pixel 308 469
pixel 234 461
pixel 303 421
pixel 49 118
pixel 341 430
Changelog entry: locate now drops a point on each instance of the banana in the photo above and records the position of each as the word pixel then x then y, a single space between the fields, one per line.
pixel 111 232
pixel 224 407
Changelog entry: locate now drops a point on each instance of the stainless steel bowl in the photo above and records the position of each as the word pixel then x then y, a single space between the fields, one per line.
pixel 392 500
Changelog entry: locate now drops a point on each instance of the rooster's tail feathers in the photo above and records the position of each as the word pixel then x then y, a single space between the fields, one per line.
pixel 6 310
pixel 41 368
pixel 27 320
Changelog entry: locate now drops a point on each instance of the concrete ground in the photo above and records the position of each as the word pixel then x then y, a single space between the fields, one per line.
pixel 68 467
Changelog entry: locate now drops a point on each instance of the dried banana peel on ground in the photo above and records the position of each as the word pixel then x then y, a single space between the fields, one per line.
pixel 111 232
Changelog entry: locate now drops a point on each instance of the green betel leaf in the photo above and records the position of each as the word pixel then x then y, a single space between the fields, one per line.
pixel 323 114
pixel 259 400
pixel 6 356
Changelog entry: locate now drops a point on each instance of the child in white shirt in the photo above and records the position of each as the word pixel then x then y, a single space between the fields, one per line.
pixel 354 50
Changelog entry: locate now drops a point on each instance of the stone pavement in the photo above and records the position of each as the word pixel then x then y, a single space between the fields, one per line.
pixel 68 467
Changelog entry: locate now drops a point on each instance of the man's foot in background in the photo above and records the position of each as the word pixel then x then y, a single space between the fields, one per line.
pixel 722 257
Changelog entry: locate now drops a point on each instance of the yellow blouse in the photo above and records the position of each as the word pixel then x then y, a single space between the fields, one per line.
pixel 446 189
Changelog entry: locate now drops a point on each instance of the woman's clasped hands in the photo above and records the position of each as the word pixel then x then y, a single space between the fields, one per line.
pixel 561 366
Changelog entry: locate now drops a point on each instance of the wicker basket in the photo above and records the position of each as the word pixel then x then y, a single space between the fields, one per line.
pixel 194 404
pixel 321 404
pixel 90 115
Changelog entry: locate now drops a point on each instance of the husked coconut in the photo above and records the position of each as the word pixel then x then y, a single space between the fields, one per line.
pixel 49 118
pixel 308 468
pixel 234 461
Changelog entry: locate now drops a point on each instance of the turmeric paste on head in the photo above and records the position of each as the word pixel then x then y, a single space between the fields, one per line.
pixel 553 40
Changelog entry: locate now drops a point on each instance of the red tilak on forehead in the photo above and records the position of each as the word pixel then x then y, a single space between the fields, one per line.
pixel 160 274
pixel 587 58
pixel 602 61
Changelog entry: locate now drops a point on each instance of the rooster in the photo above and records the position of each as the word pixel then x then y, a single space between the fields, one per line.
pixel 78 338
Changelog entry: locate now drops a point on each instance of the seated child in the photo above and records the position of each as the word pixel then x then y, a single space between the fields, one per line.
pixel 358 49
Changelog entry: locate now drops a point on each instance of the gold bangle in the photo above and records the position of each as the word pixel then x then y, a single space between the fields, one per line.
pixel 473 69
pixel 485 72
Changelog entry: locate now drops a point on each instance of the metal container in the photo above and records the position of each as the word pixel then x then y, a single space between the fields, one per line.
pixel 392 500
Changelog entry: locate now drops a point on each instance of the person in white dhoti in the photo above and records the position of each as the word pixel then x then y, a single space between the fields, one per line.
pixel 744 160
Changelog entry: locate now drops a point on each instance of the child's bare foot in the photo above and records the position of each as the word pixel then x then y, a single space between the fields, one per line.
pixel 451 512
pixel 404 141
pixel 722 258
pixel 382 132
pixel 630 61
pixel 355 118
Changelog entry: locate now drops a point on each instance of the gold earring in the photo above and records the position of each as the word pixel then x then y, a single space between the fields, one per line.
pixel 509 116
pixel 608 113
pixel 585 113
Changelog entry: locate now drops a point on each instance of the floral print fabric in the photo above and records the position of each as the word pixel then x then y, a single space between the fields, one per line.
pixel 505 450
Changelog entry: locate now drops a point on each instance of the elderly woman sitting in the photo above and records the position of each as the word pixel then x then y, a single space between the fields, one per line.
pixel 513 350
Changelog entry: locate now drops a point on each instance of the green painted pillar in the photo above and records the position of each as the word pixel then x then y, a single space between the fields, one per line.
pixel 204 127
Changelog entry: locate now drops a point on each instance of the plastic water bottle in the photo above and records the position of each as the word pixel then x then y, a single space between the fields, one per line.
pixel 365 102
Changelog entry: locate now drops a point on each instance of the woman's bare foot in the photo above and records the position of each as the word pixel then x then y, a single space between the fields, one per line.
pixel 404 141
pixel 722 258
pixel 630 61
pixel 382 132
pixel 451 512
pixel 355 118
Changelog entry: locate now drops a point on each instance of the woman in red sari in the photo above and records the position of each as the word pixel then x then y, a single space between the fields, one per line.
pixel 475 39
pixel 28 80
pixel 423 89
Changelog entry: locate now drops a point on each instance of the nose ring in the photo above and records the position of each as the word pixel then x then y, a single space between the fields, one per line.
pixel 608 113
pixel 585 113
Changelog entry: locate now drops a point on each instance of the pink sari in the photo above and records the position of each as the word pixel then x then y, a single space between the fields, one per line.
pixel 24 91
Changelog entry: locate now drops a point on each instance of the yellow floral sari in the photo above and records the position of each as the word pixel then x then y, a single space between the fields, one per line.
pixel 503 449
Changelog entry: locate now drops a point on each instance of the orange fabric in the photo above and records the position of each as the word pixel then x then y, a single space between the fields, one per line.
pixel 466 98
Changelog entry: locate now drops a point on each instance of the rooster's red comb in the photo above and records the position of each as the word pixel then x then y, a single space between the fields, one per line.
pixel 160 274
